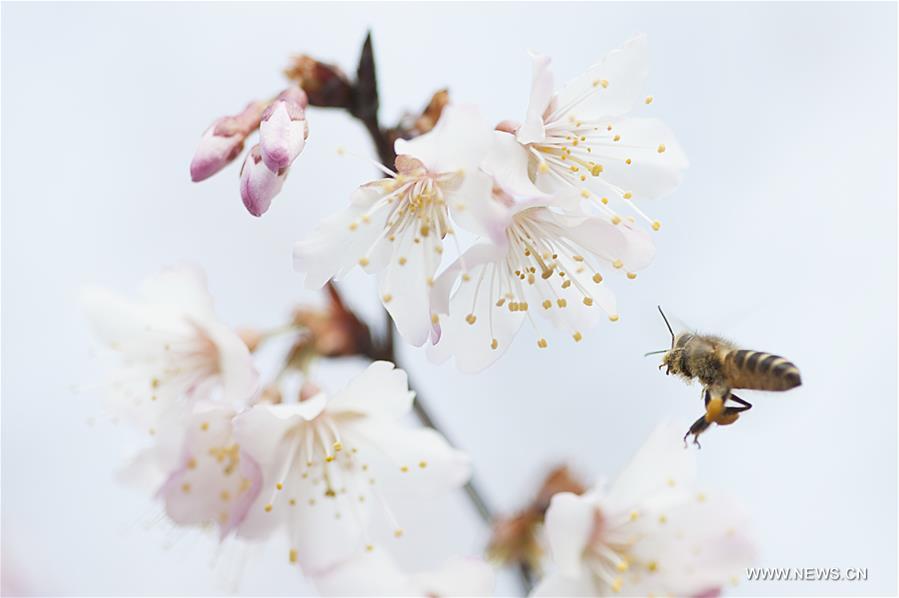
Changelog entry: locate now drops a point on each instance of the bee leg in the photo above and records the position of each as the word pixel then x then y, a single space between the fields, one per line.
pixel 746 405
pixel 714 403
pixel 698 427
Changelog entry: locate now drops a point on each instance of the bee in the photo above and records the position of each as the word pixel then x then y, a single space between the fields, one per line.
pixel 720 367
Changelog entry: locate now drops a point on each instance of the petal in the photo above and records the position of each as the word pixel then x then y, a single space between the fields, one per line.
pixel 478 292
pixel 183 287
pixel 381 390
pixel 656 160
pixel 624 69
pixel 340 241
pixel 260 429
pixel 405 283
pixel 610 242
pixel 555 585
pixel 661 466
pixel 258 184
pixel 458 577
pixel 372 573
pixel 416 459
pixel 570 521
pixel 474 209
pixel 541 94
pixel 458 141
pixel 281 138
pixel 240 380
pixel 214 153
pixel 507 162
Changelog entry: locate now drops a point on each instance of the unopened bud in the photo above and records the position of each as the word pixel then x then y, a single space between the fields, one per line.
pixel 258 184
pixel 284 129
pixel 223 141
pixel 508 126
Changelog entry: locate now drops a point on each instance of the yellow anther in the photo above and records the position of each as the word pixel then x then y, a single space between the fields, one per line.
pixel 596 82
pixel 585 194
pixel 329 459
pixel 279 486
pixel 268 508
pixel 387 297
pixel 404 469
pixel 338 447
pixel 402 261
pixel 547 304
pixel 353 226
pixel 191 463
pixel 588 301
pixel 700 497
pixel 652 566
pixel 627 195
pixel 500 301
pixel 466 277
pixel 435 319
pixel 577 336
pixel 628 161
pixel 648 100
pixel 293 555
pixel 185 487
pixel 363 261
pixel 614 317
pixel 616 585
pixel 617 264
pixel 632 275
pixel 566 284
pixel 622 565
pixel 672 482
pixel 661 148
pixel 494 344
pixel 596 170
pixel 422 464
pixel 292 502
pixel 369 547
pixel 634 515
pixel 204 426
pixel 562 302
pixel 583 177
pixel 543 168
pixel 604 83
pixel 578 258
pixel 542 343
pixel 604 200
pixel 656 225
pixel 523 306
pixel 471 318
pixel 616 219
pixel 616 138
pixel 597 278
pixel 663 520
pixel 398 533
pixel 225 495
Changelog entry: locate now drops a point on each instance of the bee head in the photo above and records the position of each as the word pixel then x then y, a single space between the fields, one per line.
pixel 671 359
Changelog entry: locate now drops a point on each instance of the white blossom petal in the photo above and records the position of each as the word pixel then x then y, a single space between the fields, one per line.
pixel 570 520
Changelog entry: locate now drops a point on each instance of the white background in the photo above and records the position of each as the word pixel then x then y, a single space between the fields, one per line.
pixel 782 237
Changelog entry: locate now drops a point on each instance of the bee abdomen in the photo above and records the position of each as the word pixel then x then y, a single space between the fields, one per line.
pixel 760 371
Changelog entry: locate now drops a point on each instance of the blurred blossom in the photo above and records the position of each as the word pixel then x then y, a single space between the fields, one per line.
pixel 283 129
pixel 652 533
pixel 325 459
pixel 395 227
pixel 214 482
pixel 580 137
pixel 258 184
pixel 172 346
pixel 223 141
pixel 334 332
pixel 546 257
pixel 375 573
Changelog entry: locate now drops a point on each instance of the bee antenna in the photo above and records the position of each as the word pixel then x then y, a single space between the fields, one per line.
pixel 667 324
pixel 655 352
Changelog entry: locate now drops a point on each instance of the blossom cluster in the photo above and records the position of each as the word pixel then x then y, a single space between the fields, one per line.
pixel 315 466
pixel 552 202
pixel 536 214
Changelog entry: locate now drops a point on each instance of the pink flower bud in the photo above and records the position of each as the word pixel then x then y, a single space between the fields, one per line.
pixel 223 141
pixel 258 184
pixel 283 129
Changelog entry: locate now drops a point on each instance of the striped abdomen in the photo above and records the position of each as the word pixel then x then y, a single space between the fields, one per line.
pixel 760 371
